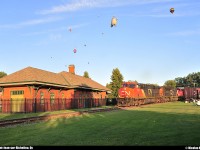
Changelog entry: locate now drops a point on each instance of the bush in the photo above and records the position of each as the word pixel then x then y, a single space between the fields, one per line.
pixel 111 101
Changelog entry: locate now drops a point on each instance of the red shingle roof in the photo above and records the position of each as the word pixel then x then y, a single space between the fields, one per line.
pixel 38 76
pixel 80 81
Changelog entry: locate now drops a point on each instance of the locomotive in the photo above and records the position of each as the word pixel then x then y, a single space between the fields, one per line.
pixel 136 94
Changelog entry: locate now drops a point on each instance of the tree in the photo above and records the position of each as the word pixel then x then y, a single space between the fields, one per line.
pixel 86 75
pixel 109 86
pixel 116 82
pixel 180 82
pixel 133 81
pixel 2 74
pixel 170 84
pixel 192 80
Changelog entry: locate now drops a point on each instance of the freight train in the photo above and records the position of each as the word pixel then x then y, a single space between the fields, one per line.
pixel 136 94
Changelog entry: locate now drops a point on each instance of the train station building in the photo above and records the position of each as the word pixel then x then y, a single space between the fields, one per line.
pixel 45 87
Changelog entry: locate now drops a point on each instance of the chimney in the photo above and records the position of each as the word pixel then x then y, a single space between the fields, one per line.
pixel 72 69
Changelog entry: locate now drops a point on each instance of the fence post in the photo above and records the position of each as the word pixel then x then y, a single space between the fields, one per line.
pixel 64 103
pixel 35 105
pixel 1 105
pixel 10 105
pixel 44 105
pixel 25 105
pixel 71 102
pixel 78 103
pixel 58 104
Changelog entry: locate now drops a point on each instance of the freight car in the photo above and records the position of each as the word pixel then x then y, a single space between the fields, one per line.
pixel 135 94
pixel 188 93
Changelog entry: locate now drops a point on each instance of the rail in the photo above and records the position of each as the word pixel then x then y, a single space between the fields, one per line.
pixel 4 123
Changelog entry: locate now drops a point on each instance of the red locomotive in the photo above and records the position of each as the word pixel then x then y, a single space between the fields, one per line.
pixel 133 93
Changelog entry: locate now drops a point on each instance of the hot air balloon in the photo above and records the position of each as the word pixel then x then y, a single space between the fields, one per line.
pixel 74 50
pixel 172 10
pixel 113 21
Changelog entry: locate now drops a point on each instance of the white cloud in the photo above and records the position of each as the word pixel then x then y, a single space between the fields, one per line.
pixel 31 22
pixel 83 4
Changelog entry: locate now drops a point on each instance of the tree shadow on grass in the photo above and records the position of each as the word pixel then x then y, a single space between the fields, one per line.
pixel 145 126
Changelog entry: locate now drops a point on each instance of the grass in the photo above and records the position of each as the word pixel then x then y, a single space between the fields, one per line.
pixel 6 116
pixel 167 124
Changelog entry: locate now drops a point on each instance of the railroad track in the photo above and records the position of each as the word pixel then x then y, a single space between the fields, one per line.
pixel 4 123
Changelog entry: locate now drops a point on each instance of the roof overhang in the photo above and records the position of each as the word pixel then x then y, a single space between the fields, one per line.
pixel 8 84
pixel 87 88
pixel 31 83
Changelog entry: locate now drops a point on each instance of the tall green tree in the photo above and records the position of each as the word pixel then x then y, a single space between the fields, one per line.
pixel 116 82
pixel 2 74
pixel 192 80
pixel 86 74
pixel 180 82
pixel 109 86
pixel 170 84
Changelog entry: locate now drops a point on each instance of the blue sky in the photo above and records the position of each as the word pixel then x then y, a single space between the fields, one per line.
pixel 149 44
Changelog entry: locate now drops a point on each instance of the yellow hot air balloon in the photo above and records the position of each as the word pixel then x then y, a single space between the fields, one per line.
pixel 113 21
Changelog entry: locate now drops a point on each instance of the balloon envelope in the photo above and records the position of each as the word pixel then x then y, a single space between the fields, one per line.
pixel 172 10
pixel 113 21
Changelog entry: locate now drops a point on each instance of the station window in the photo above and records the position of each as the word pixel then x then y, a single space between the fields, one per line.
pixel 20 92
pixel 41 98
pixel 63 98
pixel 52 98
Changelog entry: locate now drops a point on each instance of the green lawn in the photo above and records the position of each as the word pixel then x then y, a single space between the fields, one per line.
pixel 167 124
pixel 7 116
